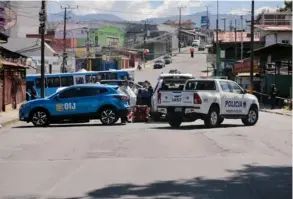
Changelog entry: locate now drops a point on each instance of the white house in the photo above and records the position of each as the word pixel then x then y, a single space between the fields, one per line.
pixel 274 27
pixel 270 34
pixel 31 48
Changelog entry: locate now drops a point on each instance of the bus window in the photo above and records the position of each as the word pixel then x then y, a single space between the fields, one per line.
pixel 113 76
pixel 66 81
pixel 53 82
pixel 79 80
pixel 29 85
pixel 38 83
pixel 90 79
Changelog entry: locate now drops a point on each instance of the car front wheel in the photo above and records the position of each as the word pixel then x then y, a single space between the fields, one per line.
pixel 251 118
pixel 40 118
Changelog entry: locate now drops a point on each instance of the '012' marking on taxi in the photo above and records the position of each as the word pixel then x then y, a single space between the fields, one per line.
pixel 66 106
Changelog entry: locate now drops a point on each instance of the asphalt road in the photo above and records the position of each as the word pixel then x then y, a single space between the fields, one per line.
pixel 149 160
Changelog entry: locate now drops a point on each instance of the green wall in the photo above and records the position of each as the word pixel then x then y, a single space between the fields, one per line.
pixel 112 32
pixel 99 36
pixel 283 84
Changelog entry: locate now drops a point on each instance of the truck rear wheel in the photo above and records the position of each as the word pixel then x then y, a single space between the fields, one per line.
pixel 212 119
pixel 175 122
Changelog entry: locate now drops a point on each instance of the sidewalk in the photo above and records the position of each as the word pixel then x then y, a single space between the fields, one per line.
pixel 279 111
pixel 8 118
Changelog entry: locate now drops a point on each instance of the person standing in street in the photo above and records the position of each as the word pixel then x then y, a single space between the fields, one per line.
pixel 191 52
pixel 272 96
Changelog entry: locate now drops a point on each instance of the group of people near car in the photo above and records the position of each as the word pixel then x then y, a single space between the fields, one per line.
pixel 136 96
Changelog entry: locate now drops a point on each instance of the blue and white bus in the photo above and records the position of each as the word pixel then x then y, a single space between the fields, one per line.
pixel 57 80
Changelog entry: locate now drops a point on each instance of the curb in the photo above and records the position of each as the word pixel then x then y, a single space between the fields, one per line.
pixel 9 122
pixel 278 113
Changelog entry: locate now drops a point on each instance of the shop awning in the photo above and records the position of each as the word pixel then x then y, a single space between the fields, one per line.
pixel 274 50
pixel 7 63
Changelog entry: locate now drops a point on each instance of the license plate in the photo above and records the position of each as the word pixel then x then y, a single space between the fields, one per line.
pixel 178 109
pixel 176 100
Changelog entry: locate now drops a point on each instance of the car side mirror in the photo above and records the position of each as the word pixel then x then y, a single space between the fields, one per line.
pixel 244 91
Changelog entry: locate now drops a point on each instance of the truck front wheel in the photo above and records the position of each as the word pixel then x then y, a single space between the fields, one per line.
pixel 175 122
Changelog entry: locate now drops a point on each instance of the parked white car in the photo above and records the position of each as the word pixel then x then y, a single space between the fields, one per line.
pixel 211 100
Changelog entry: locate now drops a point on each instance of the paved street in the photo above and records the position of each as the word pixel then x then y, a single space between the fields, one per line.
pixel 149 160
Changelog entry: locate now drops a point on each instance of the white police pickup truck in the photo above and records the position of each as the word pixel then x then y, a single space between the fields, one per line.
pixel 211 100
pixel 172 79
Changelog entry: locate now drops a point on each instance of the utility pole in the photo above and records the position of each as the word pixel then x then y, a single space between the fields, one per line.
pixel 224 24
pixel 179 35
pixel 235 32
pixel 145 31
pixel 231 26
pixel 42 19
pixel 252 45
pixel 241 17
pixel 64 63
pixel 217 41
pixel 208 23
pixel 88 49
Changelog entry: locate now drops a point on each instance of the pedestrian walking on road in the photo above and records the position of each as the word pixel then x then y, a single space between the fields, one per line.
pixel 191 52
pixel 272 96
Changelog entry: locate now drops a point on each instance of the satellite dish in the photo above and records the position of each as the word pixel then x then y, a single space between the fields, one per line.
pixel 9 17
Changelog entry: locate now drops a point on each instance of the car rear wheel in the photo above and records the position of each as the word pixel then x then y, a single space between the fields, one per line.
pixel 40 118
pixel 108 116
pixel 213 118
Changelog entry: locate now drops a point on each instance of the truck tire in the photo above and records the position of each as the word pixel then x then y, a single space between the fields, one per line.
pixel 251 118
pixel 221 120
pixel 175 122
pixel 212 118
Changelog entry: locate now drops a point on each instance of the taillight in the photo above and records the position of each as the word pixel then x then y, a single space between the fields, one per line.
pixel 121 97
pixel 196 99
pixel 159 97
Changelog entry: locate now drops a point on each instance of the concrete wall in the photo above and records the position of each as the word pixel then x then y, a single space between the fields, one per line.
pixel 271 39
pixel 173 32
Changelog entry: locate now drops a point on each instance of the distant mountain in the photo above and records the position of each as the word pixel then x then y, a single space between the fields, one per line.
pixel 59 17
pixel 196 18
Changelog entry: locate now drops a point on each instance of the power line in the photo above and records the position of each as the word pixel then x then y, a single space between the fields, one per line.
pixel 64 37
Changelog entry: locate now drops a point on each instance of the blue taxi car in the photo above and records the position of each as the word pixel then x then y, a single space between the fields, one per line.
pixel 78 103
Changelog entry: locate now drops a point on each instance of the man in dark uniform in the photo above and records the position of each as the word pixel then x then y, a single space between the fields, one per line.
pixel 272 96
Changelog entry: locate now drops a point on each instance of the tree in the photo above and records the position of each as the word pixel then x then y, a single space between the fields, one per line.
pixel 287 7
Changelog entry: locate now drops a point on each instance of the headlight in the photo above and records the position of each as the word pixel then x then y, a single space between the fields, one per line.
pixel 25 105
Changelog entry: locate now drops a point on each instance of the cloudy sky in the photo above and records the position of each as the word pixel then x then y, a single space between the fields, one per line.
pixel 139 9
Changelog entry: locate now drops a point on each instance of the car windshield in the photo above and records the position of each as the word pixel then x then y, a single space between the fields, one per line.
pixel 201 85
pixel 166 57
pixel 158 61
